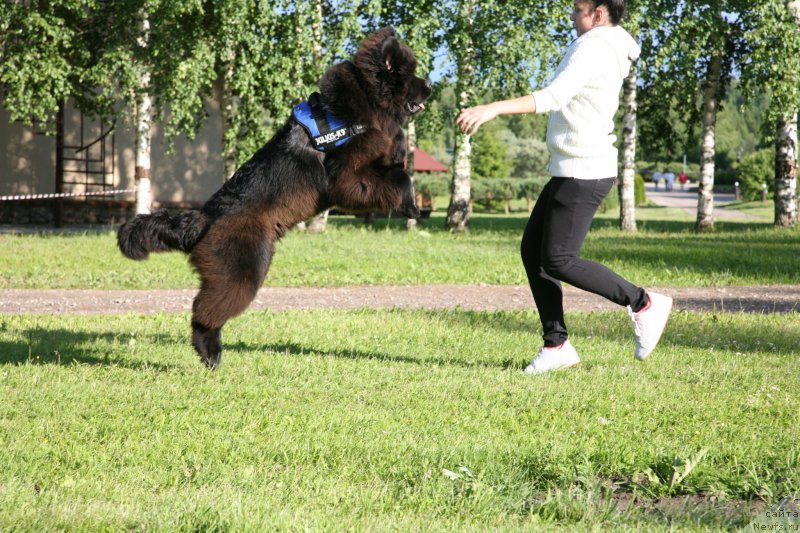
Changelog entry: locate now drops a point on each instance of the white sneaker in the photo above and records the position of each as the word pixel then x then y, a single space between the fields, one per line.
pixel 548 359
pixel 649 323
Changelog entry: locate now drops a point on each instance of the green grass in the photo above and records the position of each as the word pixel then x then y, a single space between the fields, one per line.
pixel 391 421
pixel 665 252
pixel 764 211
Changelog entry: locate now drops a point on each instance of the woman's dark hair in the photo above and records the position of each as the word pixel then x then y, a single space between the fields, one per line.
pixel 616 8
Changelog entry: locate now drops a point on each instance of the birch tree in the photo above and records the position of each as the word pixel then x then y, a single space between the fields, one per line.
pixel 774 64
pixel 144 120
pixel 495 48
pixel 690 50
pixel 627 204
pixel 464 52
pixel 705 201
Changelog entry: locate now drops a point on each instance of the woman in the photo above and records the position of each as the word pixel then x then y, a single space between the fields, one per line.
pixel 581 100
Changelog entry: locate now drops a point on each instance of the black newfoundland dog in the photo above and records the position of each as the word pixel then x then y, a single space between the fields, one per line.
pixel 345 147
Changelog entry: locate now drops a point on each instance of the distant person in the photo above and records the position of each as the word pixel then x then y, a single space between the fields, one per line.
pixel 682 178
pixel 656 178
pixel 581 99
pixel 669 180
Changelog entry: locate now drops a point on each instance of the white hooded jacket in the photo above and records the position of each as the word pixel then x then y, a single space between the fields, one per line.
pixel 582 100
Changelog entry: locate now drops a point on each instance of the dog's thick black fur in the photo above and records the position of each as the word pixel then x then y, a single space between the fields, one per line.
pixel 230 240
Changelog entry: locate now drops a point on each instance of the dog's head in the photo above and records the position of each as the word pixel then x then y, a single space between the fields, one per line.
pixel 388 66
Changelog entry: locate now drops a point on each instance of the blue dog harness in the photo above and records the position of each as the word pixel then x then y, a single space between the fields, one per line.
pixel 325 130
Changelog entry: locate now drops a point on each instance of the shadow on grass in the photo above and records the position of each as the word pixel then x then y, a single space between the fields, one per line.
pixel 713 331
pixel 746 335
pixel 296 350
pixel 64 347
pixel 652 223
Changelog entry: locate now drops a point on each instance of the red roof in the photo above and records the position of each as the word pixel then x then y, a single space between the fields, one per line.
pixel 424 162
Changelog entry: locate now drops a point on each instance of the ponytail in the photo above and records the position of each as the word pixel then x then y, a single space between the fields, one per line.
pixel 615 8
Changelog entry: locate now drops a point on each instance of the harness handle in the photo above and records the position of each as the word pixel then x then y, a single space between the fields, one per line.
pixel 315 103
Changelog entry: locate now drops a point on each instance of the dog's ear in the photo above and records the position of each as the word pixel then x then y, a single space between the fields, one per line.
pixel 390 53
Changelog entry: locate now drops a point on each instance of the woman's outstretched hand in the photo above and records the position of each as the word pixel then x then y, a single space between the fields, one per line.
pixel 472 118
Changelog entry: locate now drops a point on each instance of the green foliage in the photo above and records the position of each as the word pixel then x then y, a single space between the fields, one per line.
pixel 739 125
pixel 43 54
pixel 610 203
pixel 639 191
pixel 489 153
pixel 754 171
pixel 773 65
pixel 435 124
pixel 508 42
pixel 431 185
pixel 528 156
pixel 678 42
pixel 493 194
pixel 531 188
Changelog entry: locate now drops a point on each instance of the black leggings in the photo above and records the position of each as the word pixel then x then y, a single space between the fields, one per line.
pixel 553 237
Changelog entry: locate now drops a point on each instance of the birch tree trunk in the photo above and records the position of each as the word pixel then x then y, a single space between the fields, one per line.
pixel 144 119
pixel 787 202
pixel 319 223
pixel 786 172
pixel 411 141
pixel 627 204
pixel 459 209
pixel 226 109
pixel 705 200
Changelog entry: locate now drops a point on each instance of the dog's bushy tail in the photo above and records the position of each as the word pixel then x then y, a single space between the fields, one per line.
pixel 160 232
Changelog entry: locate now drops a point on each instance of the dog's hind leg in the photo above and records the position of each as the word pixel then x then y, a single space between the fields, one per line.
pixel 232 262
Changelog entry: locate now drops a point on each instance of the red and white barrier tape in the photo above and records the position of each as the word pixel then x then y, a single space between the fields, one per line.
pixel 63 195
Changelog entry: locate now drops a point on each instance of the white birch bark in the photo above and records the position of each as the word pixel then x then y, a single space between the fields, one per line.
pixel 627 205
pixel 459 209
pixel 705 200
pixel 144 121
pixel 318 223
pixel 226 109
pixel 786 172
pixel 787 202
pixel 411 141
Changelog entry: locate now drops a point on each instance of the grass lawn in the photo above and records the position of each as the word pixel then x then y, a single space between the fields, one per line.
pixel 665 252
pixel 400 420
pixel 393 421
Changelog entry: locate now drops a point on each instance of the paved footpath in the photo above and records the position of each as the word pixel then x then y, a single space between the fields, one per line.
pixel 686 200
pixel 758 299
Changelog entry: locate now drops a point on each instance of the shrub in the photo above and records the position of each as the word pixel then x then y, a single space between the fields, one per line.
pixel 530 189
pixel 429 186
pixel 611 201
pixel 492 193
pixel 753 171
pixel 506 190
pixel 639 194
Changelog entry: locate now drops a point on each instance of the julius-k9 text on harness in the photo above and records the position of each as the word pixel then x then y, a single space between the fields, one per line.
pixel 325 130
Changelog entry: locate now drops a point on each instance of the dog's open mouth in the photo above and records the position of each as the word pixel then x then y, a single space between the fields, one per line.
pixel 414 107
